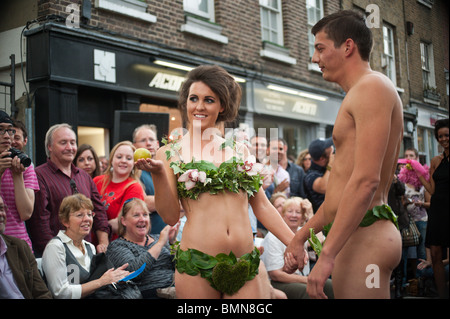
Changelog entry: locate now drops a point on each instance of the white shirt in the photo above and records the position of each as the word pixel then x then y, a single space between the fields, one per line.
pixel 55 269
pixel 273 255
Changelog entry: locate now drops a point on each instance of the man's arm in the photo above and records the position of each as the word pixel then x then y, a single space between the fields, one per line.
pixel 24 195
pixel 39 223
pixel 100 224
pixel 370 107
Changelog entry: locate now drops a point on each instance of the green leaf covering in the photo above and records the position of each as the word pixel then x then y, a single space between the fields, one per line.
pixel 225 273
pixel 315 242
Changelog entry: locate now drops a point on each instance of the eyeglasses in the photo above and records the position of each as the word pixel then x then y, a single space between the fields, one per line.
pixel 145 140
pixel 83 215
pixel 10 131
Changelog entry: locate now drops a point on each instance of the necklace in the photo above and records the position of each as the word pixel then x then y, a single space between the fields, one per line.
pixel 147 238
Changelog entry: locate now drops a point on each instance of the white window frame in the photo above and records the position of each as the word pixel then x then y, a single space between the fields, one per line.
pixel 193 6
pixel 388 59
pixel 131 8
pixel 273 46
pixel 273 26
pixel 427 62
pixel 311 21
pixel 201 23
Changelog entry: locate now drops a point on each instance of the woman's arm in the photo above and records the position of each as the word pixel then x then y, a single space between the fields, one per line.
pixel 281 276
pixel 429 185
pixel 266 213
pixel 164 180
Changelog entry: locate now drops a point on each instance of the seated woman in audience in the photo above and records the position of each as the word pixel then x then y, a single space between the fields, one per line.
pixel 294 285
pixel 119 183
pixel 135 246
pixel 278 199
pixel 87 159
pixel 67 257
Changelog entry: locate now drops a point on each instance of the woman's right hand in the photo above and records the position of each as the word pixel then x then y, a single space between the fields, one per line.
pixel 149 165
pixel 114 275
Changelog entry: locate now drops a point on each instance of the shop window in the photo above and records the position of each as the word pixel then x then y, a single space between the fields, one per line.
pixel 175 119
pixel 426 143
pixel 97 137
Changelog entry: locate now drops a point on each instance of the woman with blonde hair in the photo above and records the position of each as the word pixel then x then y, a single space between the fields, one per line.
pixel 136 246
pixel 119 183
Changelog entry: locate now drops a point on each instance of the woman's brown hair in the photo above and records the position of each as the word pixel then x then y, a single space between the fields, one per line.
pixel 221 83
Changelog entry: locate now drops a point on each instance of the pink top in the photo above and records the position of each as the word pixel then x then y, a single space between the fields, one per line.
pixel 14 225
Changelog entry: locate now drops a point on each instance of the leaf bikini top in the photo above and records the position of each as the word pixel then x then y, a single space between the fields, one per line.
pixel 198 177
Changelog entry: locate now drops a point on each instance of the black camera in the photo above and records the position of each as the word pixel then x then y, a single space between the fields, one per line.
pixel 24 159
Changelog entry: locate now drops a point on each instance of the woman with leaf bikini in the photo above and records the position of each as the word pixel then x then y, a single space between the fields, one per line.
pixel 215 180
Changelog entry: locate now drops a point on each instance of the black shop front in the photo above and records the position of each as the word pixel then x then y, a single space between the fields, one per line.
pixel 103 86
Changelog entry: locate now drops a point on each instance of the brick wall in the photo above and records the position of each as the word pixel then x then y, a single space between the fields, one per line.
pixel 429 26
pixel 241 24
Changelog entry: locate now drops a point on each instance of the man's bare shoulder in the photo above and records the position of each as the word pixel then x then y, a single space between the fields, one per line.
pixel 374 89
pixel 374 82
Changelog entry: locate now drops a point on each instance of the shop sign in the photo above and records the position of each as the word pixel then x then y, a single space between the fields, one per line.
pixel 292 106
pixel 166 81
pixel 302 107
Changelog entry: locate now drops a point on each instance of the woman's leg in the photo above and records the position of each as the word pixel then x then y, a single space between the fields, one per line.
pixel 438 270
pixel 194 287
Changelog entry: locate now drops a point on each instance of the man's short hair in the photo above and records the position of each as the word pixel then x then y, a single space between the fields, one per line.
pixel 347 24
pixel 151 127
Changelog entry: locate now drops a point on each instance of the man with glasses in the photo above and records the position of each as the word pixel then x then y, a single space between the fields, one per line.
pixel 58 178
pixel 18 183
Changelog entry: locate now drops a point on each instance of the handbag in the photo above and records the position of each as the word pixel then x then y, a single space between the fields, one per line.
pixel 410 234
pixel 100 263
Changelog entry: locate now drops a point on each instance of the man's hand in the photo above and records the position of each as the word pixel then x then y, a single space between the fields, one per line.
pixel 16 167
pixel 318 276
pixel 5 161
pixel 281 187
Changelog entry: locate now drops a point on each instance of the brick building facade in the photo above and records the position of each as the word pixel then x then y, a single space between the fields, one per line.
pixel 101 65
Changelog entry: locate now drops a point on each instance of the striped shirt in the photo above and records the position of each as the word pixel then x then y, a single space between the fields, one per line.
pixel 15 226
pixel 54 185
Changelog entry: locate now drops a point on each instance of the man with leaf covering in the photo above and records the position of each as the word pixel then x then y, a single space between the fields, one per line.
pixel 363 245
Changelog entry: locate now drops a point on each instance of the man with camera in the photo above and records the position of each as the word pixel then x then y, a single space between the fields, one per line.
pixel 18 182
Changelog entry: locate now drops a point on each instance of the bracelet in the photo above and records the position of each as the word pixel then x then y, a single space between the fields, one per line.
pixel 328 168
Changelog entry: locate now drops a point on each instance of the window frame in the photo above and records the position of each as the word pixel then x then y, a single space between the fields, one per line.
pixel 279 23
pixel 209 15
pixel 389 58
pixel 311 37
